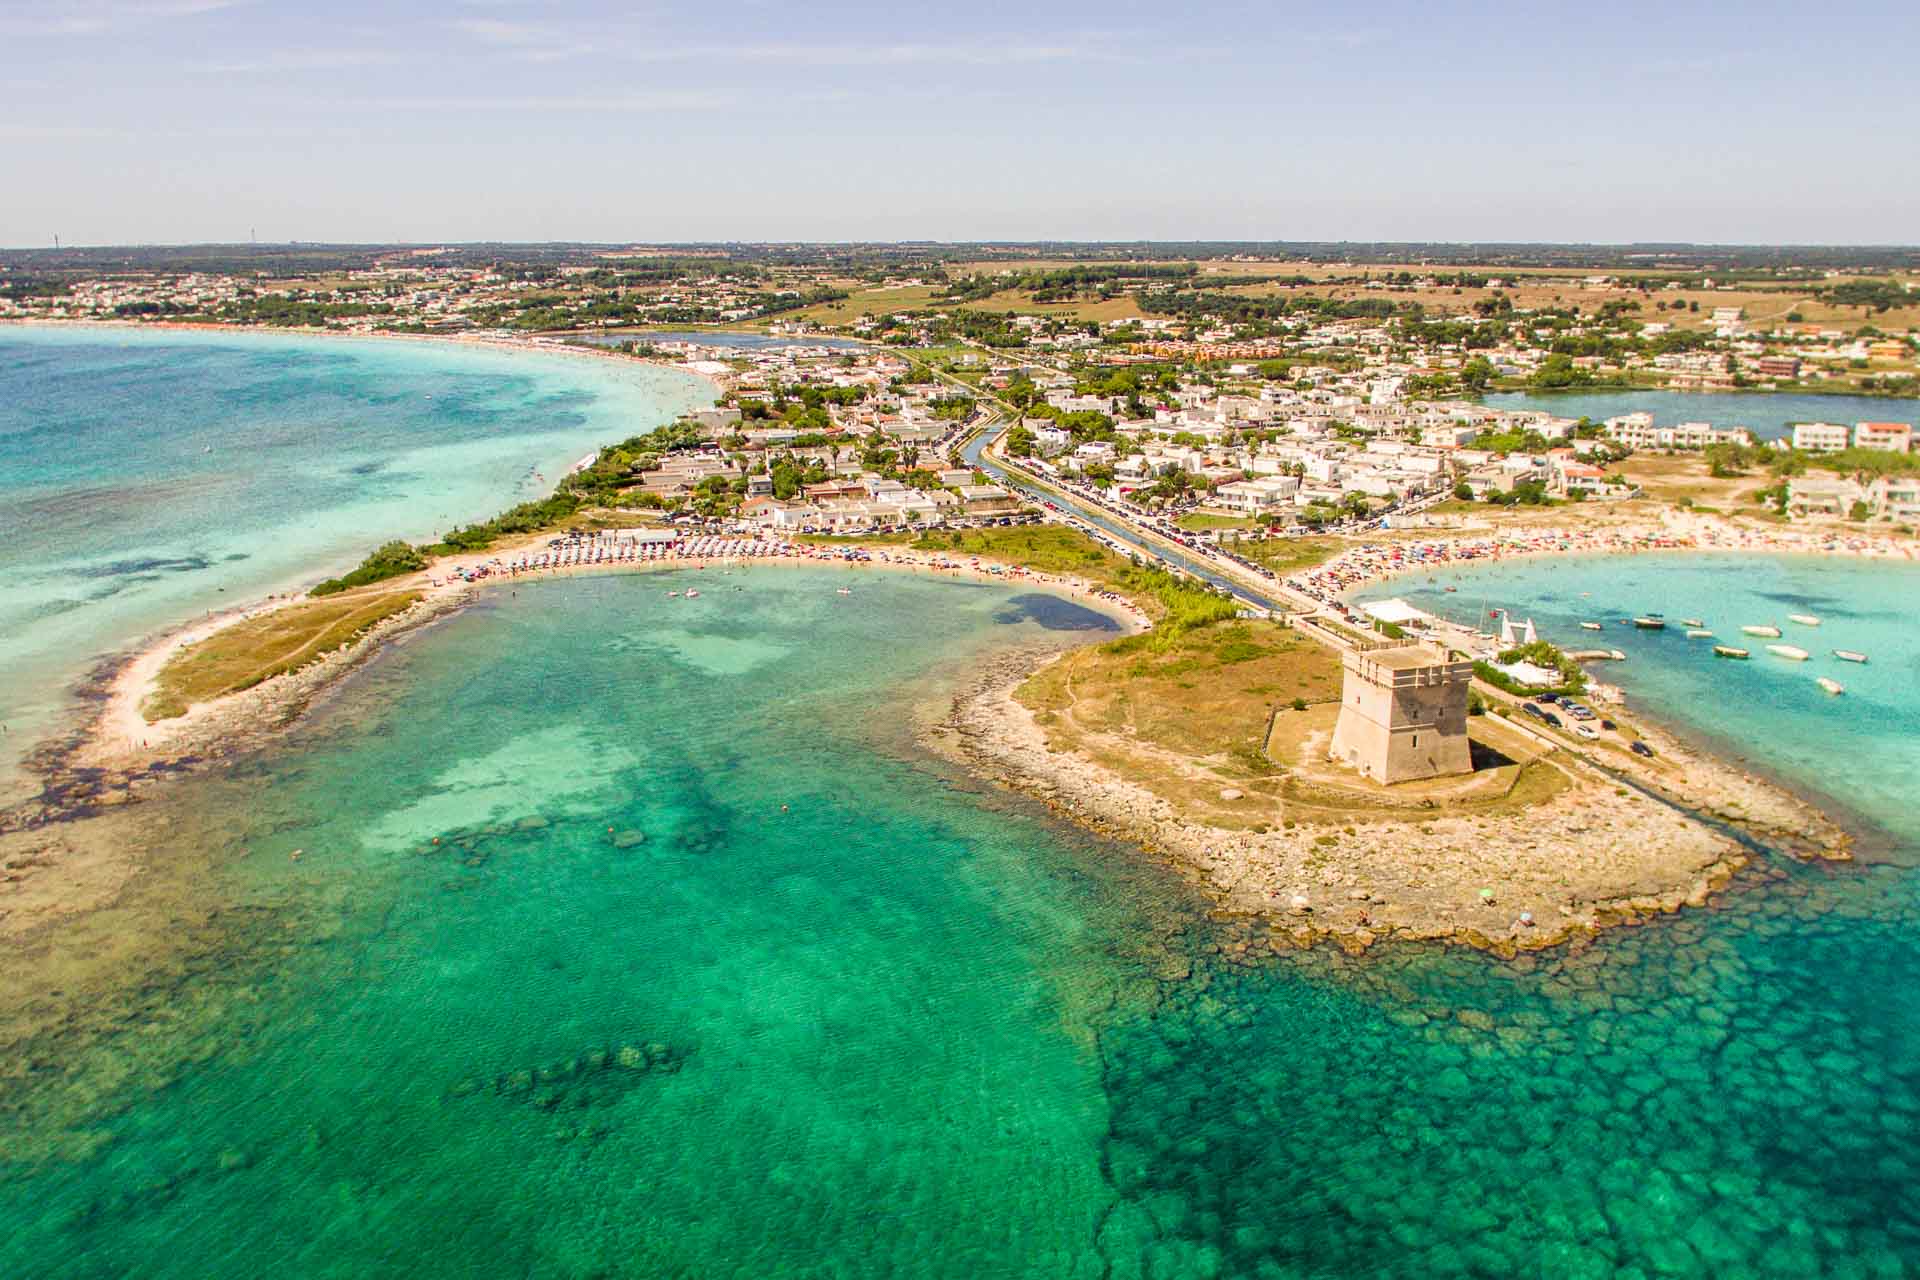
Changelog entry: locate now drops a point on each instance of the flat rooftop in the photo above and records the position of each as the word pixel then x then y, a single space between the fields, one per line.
pixel 1406 657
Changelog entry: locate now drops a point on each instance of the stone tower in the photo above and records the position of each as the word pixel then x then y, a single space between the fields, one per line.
pixel 1403 714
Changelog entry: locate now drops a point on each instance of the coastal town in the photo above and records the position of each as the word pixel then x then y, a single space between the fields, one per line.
pixel 1266 455
pixel 1141 642
pixel 1290 395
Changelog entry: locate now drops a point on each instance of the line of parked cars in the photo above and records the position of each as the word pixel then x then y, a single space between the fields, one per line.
pixel 1583 716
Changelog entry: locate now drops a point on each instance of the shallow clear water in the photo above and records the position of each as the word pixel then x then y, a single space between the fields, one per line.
pixel 906 1026
pixel 148 476
pixel 1767 414
pixel 1862 748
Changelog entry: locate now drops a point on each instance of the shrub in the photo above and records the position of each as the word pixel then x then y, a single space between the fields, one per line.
pixel 388 561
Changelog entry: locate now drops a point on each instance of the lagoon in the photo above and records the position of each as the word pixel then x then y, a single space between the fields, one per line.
pixel 879 1019
pixel 1769 415
pixel 148 476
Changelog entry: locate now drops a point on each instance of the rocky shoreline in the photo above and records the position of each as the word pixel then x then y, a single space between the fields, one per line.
pixel 1601 855
pixel 93 768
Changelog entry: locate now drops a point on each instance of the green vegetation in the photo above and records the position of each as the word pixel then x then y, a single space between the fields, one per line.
pixel 1573 680
pixel 246 653
pixel 1180 605
pixel 1866 462
pixel 391 560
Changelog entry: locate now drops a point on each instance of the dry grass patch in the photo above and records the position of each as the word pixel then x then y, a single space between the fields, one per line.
pixel 241 656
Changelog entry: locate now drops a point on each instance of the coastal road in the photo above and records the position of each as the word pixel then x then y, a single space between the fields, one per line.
pixel 1117 528
pixel 1253 592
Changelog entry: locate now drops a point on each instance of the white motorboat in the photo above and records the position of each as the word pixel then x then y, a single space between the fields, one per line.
pixel 1590 626
pixel 1699 633
pixel 1791 652
pixel 1761 631
pixel 1830 685
pixel 1849 655
pixel 1804 619
pixel 1728 651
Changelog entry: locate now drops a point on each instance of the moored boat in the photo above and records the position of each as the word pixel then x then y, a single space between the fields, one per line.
pixel 1699 633
pixel 1728 651
pixel 1590 626
pixel 1804 619
pixel 1829 684
pixel 1692 622
pixel 1792 652
pixel 1849 655
pixel 1647 622
pixel 1761 631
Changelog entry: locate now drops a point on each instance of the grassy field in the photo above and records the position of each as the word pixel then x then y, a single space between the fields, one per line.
pixel 241 656
pixel 1045 548
pixel 1120 308
pixel 1190 719
pixel 1249 707
pixel 870 301
pixel 1198 523
pixel 1289 555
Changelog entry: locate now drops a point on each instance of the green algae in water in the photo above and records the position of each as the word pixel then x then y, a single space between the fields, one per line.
pixel 899 1028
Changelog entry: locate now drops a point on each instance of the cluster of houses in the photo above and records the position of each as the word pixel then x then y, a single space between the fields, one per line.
pixel 854 497
pixel 1287 448
pixel 1877 497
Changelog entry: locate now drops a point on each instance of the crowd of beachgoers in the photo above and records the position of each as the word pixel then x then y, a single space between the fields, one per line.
pixel 1339 577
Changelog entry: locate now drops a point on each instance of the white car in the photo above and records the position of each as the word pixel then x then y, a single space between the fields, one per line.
pixel 1586 731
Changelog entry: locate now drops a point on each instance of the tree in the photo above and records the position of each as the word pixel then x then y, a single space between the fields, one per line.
pixel 1463 491
pixel 1860 512
pixel 1477 374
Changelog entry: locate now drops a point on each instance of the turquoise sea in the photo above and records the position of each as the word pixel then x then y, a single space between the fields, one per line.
pixel 1769 415
pixel 712 972
pixel 1861 749
pixel 148 476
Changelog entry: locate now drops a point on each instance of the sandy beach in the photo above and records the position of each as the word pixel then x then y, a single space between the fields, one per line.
pixel 117 748
pixel 490 342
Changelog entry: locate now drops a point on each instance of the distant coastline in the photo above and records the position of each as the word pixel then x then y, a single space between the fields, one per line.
pixel 531 345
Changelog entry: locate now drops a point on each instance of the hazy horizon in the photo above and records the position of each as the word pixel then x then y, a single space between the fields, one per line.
pixel 160 122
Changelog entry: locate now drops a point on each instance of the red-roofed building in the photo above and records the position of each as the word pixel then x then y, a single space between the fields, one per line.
pixel 1893 437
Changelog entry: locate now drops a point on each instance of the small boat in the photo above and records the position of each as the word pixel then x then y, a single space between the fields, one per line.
pixel 1762 631
pixel 1728 651
pixel 1590 626
pixel 1829 684
pixel 1699 633
pixel 1791 652
pixel 691 593
pixel 1849 655
pixel 1692 622
pixel 1804 619
pixel 1617 656
pixel 673 595
pixel 843 591
pixel 1650 622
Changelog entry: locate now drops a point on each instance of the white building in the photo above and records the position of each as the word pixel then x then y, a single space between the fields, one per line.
pixel 1820 437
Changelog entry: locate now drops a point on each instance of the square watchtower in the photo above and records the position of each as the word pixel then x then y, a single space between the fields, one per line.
pixel 1403 714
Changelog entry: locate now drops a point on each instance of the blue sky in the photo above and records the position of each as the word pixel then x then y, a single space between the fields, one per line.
pixel 190 120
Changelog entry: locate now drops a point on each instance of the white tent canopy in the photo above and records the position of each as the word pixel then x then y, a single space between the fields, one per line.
pixel 1396 611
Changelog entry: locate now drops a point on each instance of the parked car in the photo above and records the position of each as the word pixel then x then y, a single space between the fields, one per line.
pixel 1549 697
pixel 1533 709
pixel 1608 725
pixel 1640 748
pixel 1586 731
pixel 1552 719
